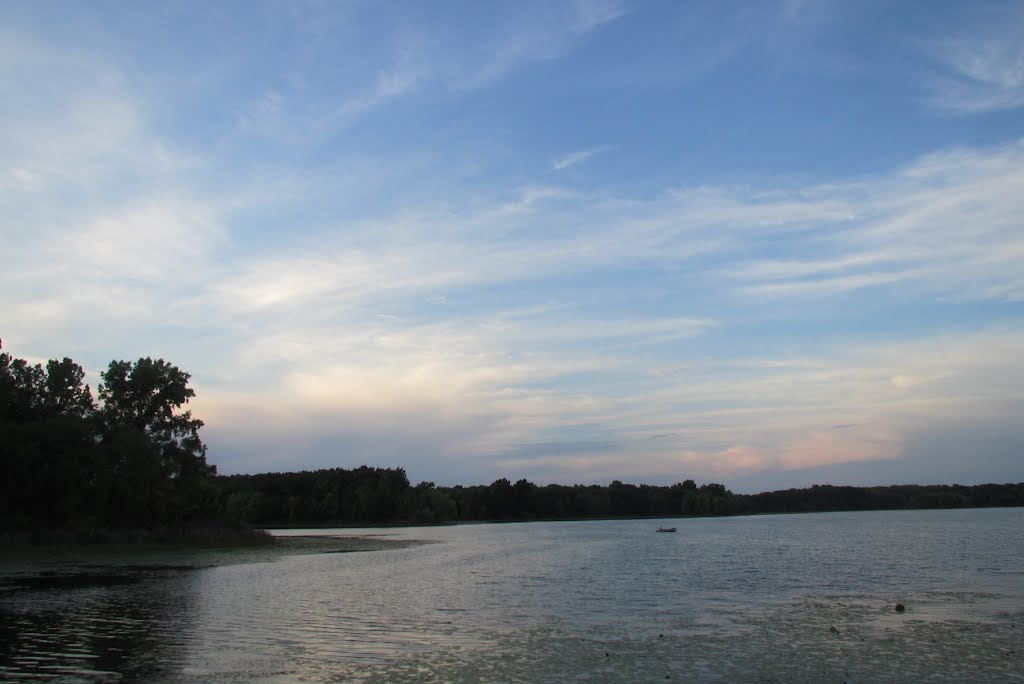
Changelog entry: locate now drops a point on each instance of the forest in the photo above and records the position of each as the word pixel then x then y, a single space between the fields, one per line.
pixel 134 460
pixel 377 495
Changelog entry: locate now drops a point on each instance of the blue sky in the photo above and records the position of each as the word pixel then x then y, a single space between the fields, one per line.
pixel 762 243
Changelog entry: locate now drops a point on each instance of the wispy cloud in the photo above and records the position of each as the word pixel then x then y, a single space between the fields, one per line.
pixel 589 14
pixel 577 157
pixel 420 56
pixel 534 33
pixel 982 70
pixel 410 70
pixel 946 224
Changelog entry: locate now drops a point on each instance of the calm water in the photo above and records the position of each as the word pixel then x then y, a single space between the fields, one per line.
pixel 769 598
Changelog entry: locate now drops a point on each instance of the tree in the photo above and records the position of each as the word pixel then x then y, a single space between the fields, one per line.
pixel 148 396
pixel 63 393
pixel 20 388
pixel 47 442
pixel 524 497
pixel 144 400
pixel 501 498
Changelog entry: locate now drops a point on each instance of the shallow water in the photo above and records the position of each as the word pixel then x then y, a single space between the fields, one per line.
pixel 766 598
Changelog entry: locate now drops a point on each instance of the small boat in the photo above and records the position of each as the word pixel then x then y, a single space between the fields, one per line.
pixel 666 529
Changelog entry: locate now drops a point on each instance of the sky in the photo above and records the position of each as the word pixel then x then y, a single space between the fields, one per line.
pixel 767 244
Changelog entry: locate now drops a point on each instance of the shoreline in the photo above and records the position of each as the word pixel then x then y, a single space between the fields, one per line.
pixel 272 527
pixel 125 559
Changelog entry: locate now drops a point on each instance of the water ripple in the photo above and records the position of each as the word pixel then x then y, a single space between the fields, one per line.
pixel 733 599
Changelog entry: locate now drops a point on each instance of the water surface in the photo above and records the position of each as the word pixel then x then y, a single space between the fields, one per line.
pixel 765 598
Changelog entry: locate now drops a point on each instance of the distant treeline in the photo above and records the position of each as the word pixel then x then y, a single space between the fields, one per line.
pixel 833 498
pixel 134 460
pixel 384 495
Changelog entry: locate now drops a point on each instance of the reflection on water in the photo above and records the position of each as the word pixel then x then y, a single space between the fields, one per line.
pixel 769 598
pixel 94 623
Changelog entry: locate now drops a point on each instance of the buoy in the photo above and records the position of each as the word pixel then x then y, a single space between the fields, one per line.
pixel 900 608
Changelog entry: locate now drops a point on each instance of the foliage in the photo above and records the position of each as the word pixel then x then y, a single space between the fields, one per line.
pixel 135 460
pixel 377 495
pixel 833 498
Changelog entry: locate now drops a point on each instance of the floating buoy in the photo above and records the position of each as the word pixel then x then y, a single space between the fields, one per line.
pixel 900 608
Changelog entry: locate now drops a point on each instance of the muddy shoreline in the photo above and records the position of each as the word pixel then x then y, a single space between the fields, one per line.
pixel 18 566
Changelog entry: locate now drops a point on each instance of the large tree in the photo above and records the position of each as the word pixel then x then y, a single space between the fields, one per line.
pixel 47 442
pixel 148 396
pixel 63 393
pixel 152 443
pixel 134 461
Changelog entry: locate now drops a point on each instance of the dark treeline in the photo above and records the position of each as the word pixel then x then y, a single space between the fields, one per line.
pixel 833 498
pixel 133 460
pixel 383 495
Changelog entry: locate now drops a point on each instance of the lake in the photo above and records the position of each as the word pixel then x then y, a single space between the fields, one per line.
pixel 776 598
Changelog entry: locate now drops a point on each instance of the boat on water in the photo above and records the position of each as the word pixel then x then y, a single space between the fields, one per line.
pixel 666 529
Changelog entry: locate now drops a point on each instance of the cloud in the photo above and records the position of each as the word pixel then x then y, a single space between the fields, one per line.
pixel 982 69
pixel 545 231
pixel 285 435
pixel 713 420
pixel 328 329
pixel 534 32
pixel 955 451
pixel 409 71
pixel 590 14
pixel 469 319
pixel 409 56
pixel 577 157
pixel 946 224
